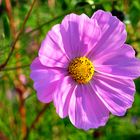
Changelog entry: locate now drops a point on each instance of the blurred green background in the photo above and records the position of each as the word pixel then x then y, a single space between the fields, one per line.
pixel 22 116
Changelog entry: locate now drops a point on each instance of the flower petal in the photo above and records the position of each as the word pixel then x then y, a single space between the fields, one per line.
pixel 52 53
pixel 117 94
pixel 120 63
pixel 79 34
pixel 62 95
pixel 113 34
pixel 86 110
pixel 45 80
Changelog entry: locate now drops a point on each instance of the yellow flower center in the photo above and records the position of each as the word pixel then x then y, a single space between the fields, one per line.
pixel 81 70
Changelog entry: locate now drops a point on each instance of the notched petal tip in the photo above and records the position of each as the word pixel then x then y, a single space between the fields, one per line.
pixel 104 17
pixel 113 34
pixel 99 12
pixel 83 110
pixel 116 94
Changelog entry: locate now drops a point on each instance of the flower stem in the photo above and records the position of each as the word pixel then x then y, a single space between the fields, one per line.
pixel 18 36
pixel 36 120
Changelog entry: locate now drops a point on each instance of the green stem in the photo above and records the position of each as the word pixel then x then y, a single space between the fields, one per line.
pixel 18 36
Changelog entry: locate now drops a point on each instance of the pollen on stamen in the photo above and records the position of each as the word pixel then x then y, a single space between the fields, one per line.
pixel 81 70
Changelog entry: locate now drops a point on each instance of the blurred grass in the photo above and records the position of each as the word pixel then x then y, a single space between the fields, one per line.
pixel 42 18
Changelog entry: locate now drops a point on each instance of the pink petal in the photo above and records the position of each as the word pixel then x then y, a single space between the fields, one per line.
pixel 126 50
pixel 117 94
pixel 45 80
pixel 113 34
pixel 79 34
pixel 62 96
pixel 86 110
pixel 119 63
pixel 52 52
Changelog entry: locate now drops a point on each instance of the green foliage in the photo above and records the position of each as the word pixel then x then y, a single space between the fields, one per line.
pixel 6 26
pixel 134 13
pixel 42 18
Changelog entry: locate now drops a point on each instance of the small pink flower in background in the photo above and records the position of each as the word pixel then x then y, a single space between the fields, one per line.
pixel 23 79
pixel 86 69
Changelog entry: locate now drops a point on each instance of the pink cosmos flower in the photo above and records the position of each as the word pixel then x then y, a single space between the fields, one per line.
pixel 86 69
